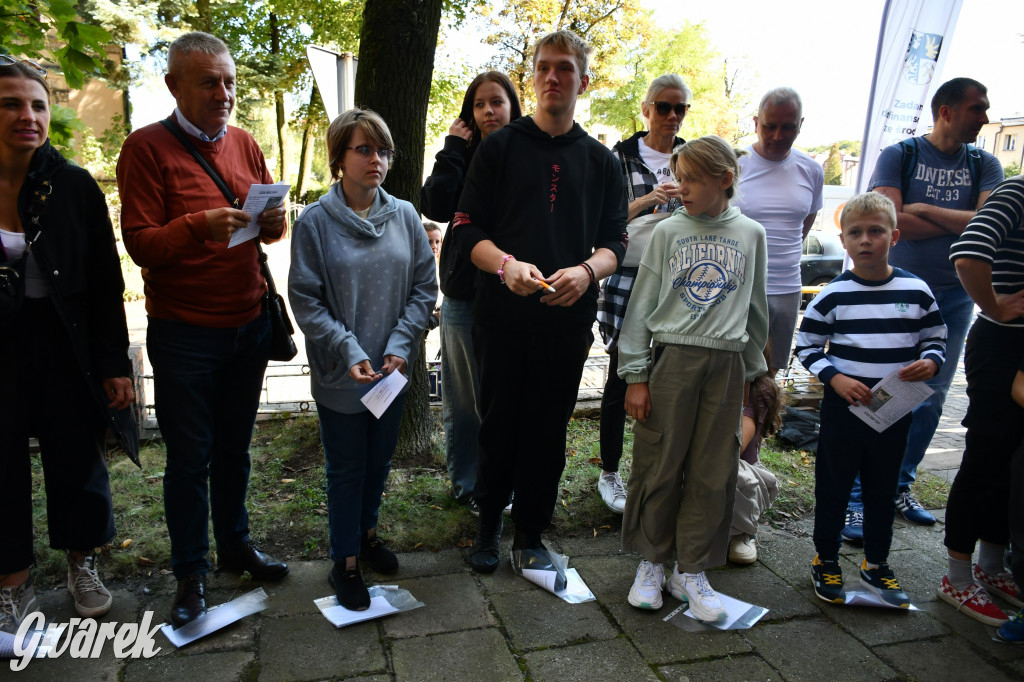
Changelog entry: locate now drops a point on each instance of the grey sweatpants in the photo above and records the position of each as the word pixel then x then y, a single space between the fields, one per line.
pixel 683 482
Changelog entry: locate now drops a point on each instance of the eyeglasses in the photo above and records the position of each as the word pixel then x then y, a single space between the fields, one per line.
pixel 7 60
pixel 664 107
pixel 385 155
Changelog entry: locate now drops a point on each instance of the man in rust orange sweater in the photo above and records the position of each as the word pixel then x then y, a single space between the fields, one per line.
pixel 208 336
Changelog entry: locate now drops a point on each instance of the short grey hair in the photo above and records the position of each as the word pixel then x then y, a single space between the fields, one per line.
pixel 195 41
pixel 777 96
pixel 666 82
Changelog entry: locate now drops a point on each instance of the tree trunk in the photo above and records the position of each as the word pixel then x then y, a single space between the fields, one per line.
pixel 281 122
pixel 396 64
pixel 204 17
pixel 306 150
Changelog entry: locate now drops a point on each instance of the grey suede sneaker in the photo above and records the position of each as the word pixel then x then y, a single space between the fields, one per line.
pixel 91 598
pixel 16 602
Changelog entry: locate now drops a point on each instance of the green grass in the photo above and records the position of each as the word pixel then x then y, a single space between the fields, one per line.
pixel 288 504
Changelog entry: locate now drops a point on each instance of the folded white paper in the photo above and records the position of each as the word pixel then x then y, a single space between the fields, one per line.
pixel 217 617
pixel 379 398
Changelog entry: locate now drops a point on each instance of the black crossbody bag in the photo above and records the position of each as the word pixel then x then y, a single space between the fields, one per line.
pixel 282 346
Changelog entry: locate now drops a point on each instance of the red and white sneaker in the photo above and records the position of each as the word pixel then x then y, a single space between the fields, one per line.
pixel 972 601
pixel 1001 584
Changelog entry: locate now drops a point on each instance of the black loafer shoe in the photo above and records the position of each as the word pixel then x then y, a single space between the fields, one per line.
pixel 486 547
pixel 349 587
pixel 246 557
pixel 190 601
pixel 375 554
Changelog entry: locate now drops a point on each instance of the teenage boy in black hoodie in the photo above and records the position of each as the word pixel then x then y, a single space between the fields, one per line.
pixel 543 217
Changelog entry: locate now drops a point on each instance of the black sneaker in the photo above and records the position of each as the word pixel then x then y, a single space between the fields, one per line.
pixel 882 581
pixel 473 506
pixel 349 587
pixel 377 556
pixel 483 558
pixel 827 577
pixel 853 530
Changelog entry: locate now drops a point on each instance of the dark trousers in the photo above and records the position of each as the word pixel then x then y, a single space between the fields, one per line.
pixel 528 387
pixel 208 382
pixel 978 505
pixel 45 395
pixel 357 454
pixel 847 445
pixel 1017 515
pixel 613 415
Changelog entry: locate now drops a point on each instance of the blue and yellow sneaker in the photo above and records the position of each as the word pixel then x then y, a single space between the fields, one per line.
pixel 827 577
pixel 882 581
pixel 1012 631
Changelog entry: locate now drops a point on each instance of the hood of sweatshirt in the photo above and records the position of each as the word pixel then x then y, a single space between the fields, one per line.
pixel 372 227
pixel 526 125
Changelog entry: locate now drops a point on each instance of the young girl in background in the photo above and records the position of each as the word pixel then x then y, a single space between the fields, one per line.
pixel 700 297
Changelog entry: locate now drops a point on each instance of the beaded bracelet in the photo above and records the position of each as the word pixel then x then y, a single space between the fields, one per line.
pixel 501 268
pixel 590 270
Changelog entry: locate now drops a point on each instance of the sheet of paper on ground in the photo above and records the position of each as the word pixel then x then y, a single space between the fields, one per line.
pixel 217 617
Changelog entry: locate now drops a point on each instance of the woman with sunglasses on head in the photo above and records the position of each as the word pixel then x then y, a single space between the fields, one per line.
pixel 362 286
pixel 647 179
pixel 490 104
pixel 65 349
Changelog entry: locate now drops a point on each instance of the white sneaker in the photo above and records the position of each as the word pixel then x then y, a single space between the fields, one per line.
pixel 742 549
pixel 613 492
pixel 646 590
pixel 695 589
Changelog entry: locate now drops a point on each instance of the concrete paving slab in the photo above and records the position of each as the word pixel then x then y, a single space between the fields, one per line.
pixel 926 540
pixel 722 670
pixel 453 602
pixel 294 594
pixel 504 580
pixel 608 577
pixel 977 635
pixel 662 643
pixel 816 649
pixel 308 647
pixel 536 619
pixel 607 542
pixel 611 660
pixel 757 585
pixel 103 669
pixel 232 665
pixel 469 655
pixel 948 658
pixel 419 564
pixel 919 574
pixel 237 636
pixel 875 625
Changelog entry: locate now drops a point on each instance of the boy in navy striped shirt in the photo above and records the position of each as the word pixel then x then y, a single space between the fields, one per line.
pixel 875 319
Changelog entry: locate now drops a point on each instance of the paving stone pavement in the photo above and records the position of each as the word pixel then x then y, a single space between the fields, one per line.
pixel 500 627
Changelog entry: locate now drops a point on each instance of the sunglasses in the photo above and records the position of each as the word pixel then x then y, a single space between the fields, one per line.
pixel 664 107
pixel 385 155
pixel 7 60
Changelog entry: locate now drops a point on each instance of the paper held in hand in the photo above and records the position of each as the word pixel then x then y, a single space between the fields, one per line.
pixel 891 400
pixel 258 200
pixel 378 398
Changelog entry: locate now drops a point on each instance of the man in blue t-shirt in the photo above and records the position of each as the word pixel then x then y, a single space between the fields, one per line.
pixel 937 181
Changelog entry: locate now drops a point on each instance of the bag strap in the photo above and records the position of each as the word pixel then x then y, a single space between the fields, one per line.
pixel 176 130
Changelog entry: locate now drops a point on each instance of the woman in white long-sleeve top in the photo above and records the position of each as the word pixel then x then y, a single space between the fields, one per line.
pixel 362 285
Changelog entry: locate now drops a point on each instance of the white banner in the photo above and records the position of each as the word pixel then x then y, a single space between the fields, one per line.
pixel 912 47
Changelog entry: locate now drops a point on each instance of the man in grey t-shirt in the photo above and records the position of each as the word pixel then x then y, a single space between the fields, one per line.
pixel 937 181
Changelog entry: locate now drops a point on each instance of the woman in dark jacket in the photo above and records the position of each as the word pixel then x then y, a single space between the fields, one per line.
pixel 65 349
pixel 490 103
pixel 649 188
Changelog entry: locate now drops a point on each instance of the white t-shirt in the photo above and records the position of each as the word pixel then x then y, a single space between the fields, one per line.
pixel 657 162
pixel 780 195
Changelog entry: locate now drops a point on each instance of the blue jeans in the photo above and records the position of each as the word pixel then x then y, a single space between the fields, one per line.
pixel 208 382
pixel 460 395
pixel 957 308
pixel 357 453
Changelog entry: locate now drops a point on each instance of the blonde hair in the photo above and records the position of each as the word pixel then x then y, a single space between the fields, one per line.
pixel 708 156
pixel 341 130
pixel 566 41
pixel 869 202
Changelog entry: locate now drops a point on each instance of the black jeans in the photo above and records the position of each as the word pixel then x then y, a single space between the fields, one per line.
pixel 613 415
pixel 978 505
pixel 529 382
pixel 45 395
